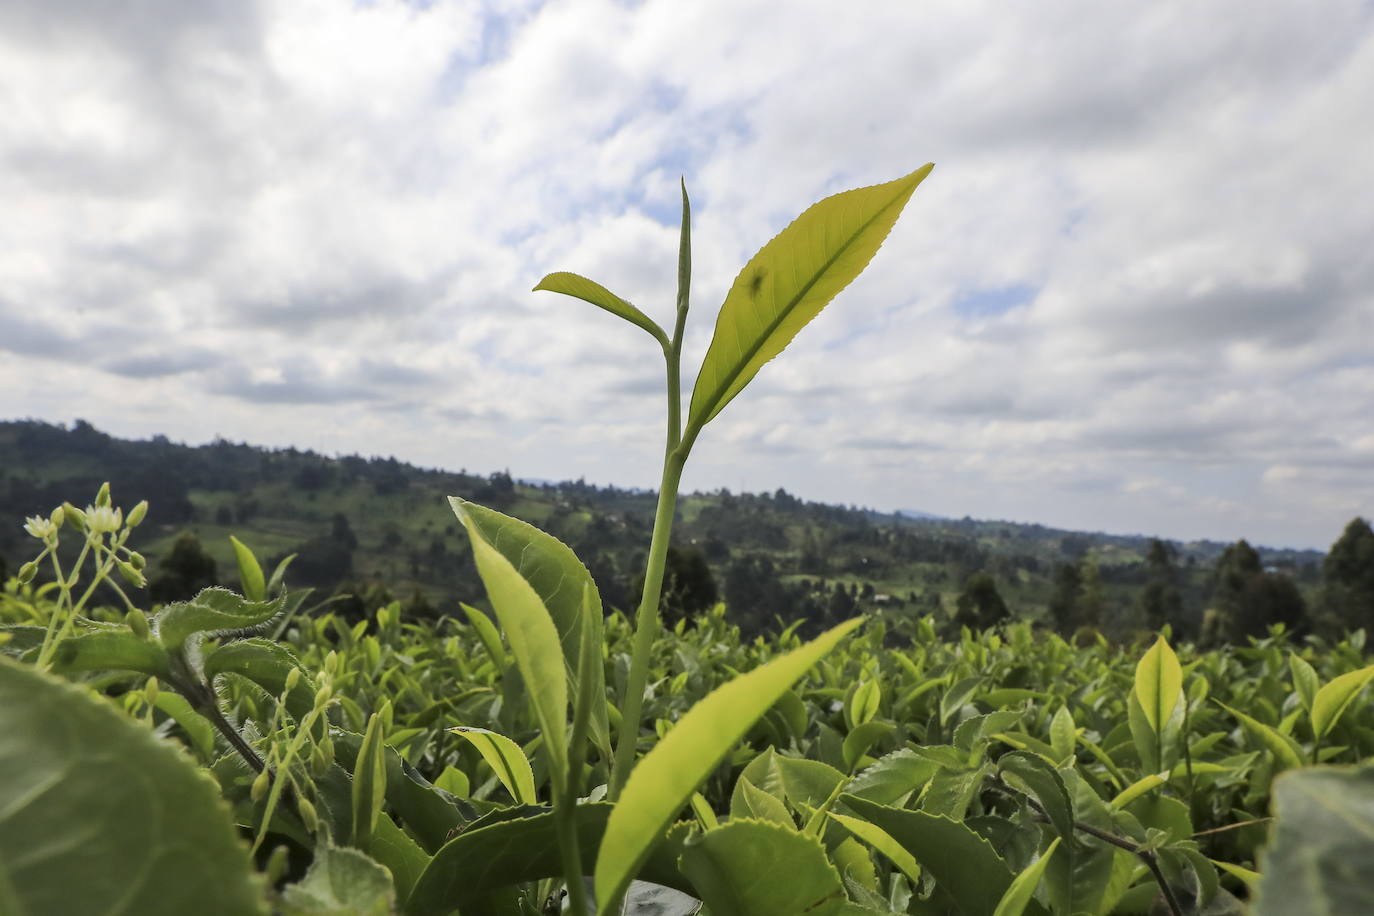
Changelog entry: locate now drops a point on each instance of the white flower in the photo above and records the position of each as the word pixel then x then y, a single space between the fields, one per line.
pixel 40 527
pixel 100 519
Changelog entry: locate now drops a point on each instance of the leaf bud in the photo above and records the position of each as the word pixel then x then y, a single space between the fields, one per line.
pixel 137 512
pixel 308 815
pixel 102 496
pixel 150 691
pixel 293 677
pixel 136 560
pixel 27 572
pixel 261 784
pixel 137 622
pixel 131 575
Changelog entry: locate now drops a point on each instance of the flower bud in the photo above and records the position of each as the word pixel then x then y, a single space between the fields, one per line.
pixel 293 677
pixel 319 762
pixel 56 517
pixel 74 516
pixel 277 863
pixel 27 572
pixel 150 691
pixel 331 662
pixel 137 622
pixel 261 784
pixel 322 696
pixel 136 560
pixel 131 575
pixel 137 512
pixel 102 496
pixel 308 815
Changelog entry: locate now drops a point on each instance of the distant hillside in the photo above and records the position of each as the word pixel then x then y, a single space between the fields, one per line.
pixel 357 523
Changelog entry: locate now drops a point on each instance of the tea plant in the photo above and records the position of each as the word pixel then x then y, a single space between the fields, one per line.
pixel 487 768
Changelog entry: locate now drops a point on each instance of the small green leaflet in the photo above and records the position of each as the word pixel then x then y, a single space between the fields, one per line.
pixel 570 284
pixel 506 759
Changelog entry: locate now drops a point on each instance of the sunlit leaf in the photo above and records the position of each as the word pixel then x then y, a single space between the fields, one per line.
pixel 570 284
pixel 1333 699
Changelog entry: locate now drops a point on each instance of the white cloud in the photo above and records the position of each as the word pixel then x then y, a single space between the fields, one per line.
pixel 317 223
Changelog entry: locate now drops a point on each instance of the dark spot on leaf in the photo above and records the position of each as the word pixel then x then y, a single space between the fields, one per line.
pixel 756 283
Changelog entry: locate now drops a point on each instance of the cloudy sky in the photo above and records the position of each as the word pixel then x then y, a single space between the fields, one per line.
pixel 1136 294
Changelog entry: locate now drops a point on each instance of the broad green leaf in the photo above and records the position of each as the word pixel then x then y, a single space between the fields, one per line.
pixel 402 856
pixel 757 868
pixel 1323 842
pixel 880 840
pixel 894 777
pixel 1333 699
pixel 570 284
pixel 1018 896
pixel 506 759
pixel 523 848
pixel 111 650
pixel 99 817
pixel 1031 774
pixel 267 664
pixel 660 785
pixel 857 742
pixel 1283 748
pixel 1158 684
pixel 369 777
pixel 956 696
pixel 749 801
pixel 560 580
pixel 213 611
pixel 789 281
pixel 1138 788
pixel 198 729
pixel 455 782
pixel 1305 680
pixel 962 863
pixel 340 882
pixel 528 623
pixel 488 634
pixel 250 573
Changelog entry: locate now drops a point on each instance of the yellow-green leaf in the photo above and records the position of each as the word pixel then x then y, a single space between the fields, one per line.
pixel 250 573
pixel 369 777
pixel 789 281
pixel 1158 684
pixel 882 841
pixel 664 780
pixel 1015 900
pixel 1138 788
pixel 1285 751
pixel 532 636
pixel 488 634
pixel 1333 699
pixel 506 759
pixel 580 287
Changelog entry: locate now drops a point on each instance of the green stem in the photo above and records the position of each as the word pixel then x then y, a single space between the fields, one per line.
pixel 646 624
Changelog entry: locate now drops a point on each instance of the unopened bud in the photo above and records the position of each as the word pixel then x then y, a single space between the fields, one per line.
pixel 387 716
pixel 102 496
pixel 277 864
pixel 308 815
pixel 131 575
pixel 331 662
pixel 136 560
pixel 137 621
pixel 293 677
pixel 74 516
pixel 57 517
pixel 261 784
pixel 137 512
pixel 322 696
pixel 319 762
pixel 27 572
pixel 150 691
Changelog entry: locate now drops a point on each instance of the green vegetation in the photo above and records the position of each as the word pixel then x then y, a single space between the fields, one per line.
pixel 403 761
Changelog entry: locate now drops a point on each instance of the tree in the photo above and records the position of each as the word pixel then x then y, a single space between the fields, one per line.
pixel 688 586
pixel 1247 601
pixel 1064 599
pixel 980 605
pixel 1347 597
pixel 185 570
pixel 1161 601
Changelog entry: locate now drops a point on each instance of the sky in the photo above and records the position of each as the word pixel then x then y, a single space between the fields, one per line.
pixel 1135 295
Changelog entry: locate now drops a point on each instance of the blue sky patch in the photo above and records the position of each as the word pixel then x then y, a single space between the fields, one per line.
pixel 994 301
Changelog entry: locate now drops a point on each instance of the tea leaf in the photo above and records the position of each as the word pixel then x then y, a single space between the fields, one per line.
pixel 214 610
pixel 880 840
pixel 579 287
pixel 506 760
pixel 530 630
pixel 1018 896
pixel 789 281
pixel 1305 680
pixel 152 847
pixel 250 573
pixel 660 785
pixel 1331 701
pixel 1158 684
pixel 757 868
pixel 340 880
pixel 369 778
pixel 111 650
pixel 1285 751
